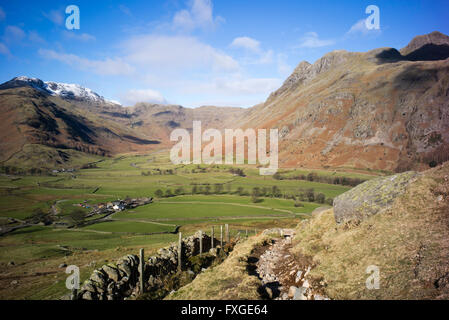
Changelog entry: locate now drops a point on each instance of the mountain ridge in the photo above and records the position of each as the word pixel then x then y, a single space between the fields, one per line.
pixel 371 110
pixel 385 109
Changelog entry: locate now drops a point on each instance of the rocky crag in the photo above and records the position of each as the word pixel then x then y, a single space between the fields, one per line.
pixel 382 109
pixel 371 197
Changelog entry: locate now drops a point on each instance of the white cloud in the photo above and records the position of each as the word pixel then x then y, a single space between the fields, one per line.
pixel 4 50
pixel 16 35
pixel 284 69
pixel 35 37
pixel 13 34
pixel 198 15
pixel 176 53
pixel 2 14
pixel 311 40
pixel 236 85
pixel 247 86
pixel 144 95
pixel 125 10
pixel 359 28
pixel 253 50
pixel 237 91
pixel 266 57
pixel 108 66
pixel 55 16
pixel 84 37
pixel 246 43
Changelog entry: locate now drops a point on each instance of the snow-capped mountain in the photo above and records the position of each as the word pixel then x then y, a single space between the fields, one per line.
pixel 63 90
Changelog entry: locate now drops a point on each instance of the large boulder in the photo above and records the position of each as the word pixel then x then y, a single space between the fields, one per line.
pixel 372 197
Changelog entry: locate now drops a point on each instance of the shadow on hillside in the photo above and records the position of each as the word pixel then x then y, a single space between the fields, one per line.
pixel 429 52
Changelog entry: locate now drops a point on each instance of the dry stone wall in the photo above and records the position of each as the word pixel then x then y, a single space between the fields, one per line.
pixel 121 280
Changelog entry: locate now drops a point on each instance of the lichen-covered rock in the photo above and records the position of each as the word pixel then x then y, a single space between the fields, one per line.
pixel 112 273
pixel 89 296
pixel 371 197
pixel 89 286
pixel 99 277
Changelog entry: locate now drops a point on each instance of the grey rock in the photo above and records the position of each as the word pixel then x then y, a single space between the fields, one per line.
pixel 298 276
pixel 126 269
pixel 291 291
pixel 371 197
pixel 89 296
pixel 111 272
pixel 300 294
pixel 98 277
pixel 111 288
pixel 89 286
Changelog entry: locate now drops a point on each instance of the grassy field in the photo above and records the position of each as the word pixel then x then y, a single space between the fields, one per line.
pixel 37 251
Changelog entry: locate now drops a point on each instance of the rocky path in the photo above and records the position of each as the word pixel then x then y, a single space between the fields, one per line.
pixel 281 275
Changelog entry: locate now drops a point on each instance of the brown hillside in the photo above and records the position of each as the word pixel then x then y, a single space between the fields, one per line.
pixel 376 110
pixel 33 117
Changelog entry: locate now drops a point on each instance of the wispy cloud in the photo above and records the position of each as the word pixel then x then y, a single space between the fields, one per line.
pixel 125 10
pixel 2 14
pixel 84 37
pixel 284 69
pixel 133 96
pixel 13 34
pixel 4 49
pixel 35 37
pixel 176 60
pixel 312 40
pixel 246 85
pixel 107 66
pixel 55 16
pixel 198 15
pixel 253 48
pixel 246 43
pixel 359 29
pixel 176 53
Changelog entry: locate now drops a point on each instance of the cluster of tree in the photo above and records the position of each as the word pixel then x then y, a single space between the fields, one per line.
pixel 304 195
pixel 314 177
pixel 24 172
pixel 158 172
pixel 89 166
pixel 169 193
pixel 39 216
pixel 310 195
pixel 199 169
pixel 77 217
pixel 237 171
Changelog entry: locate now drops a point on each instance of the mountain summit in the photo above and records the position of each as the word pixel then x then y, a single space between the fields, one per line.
pixel 382 109
pixel 432 46
pixel 63 90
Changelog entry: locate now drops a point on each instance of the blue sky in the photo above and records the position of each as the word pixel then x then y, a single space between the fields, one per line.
pixel 196 52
